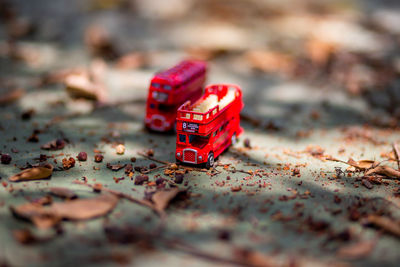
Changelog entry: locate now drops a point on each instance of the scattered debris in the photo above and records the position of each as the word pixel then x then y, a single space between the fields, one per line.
pixel 246 143
pixel 54 145
pixel 120 149
pixel 236 188
pixel 82 156
pixel 68 163
pixel 115 167
pixel 5 158
pixel 140 179
pixel 367 184
pixel 98 158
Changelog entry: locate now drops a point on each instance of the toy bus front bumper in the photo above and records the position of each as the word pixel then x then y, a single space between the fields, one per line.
pixel 158 123
pixel 190 155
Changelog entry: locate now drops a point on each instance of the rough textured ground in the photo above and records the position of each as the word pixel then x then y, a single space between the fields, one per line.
pixel 303 219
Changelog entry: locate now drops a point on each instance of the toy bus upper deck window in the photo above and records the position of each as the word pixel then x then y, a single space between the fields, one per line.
pixel 167 87
pixel 155 85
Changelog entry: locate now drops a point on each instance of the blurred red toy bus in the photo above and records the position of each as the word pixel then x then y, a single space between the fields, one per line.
pixel 169 89
pixel 210 125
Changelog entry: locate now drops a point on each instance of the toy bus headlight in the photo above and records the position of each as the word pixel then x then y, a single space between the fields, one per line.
pixel 200 158
pixel 178 154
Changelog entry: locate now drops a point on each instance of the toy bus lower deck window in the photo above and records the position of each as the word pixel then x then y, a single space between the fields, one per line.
pixel 182 138
pixel 197 140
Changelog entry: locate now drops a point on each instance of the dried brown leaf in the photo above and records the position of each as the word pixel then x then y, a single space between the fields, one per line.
pixel 24 236
pixel 357 250
pixel 384 170
pixel 79 209
pixel 320 51
pixel 63 192
pixel 385 223
pixel 83 209
pixel 11 96
pixel 270 61
pixel 35 213
pixel 99 42
pixel 362 164
pixel 35 173
pixel 255 258
pixel 162 198
pixel 132 60
pixel 56 144
pixel 80 86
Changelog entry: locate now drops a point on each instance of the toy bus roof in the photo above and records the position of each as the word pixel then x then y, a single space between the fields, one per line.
pixel 212 98
pixel 180 73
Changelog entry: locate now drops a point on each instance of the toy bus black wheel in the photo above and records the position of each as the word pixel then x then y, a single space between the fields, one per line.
pixel 234 139
pixel 210 160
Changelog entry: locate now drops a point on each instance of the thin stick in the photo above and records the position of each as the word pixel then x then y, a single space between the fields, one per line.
pixel 397 154
pixel 156 168
pixel 169 163
pixel 123 195
pixel 154 159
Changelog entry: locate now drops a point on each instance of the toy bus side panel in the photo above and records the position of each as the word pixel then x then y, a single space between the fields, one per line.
pixel 189 89
pixel 224 138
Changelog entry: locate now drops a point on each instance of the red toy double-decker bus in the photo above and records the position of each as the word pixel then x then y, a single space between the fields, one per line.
pixel 169 89
pixel 210 125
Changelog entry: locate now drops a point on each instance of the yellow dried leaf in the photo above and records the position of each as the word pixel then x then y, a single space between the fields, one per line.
pixel 362 164
pixel 35 173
